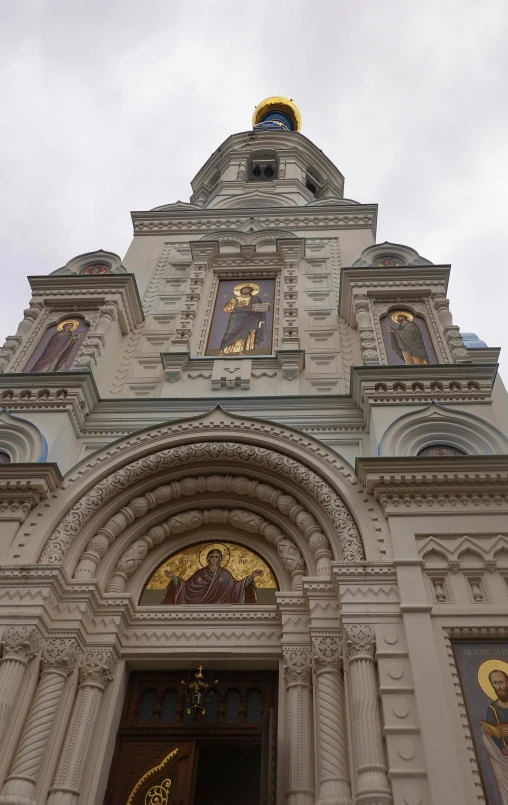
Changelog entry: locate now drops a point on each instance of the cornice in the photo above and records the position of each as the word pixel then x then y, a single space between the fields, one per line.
pixel 74 392
pixel 24 486
pixel 446 483
pixel 78 289
pixel 452 383
pixel 164 222
pixel 380 281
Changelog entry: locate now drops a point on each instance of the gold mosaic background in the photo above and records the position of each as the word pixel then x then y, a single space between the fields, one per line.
pixel 242 563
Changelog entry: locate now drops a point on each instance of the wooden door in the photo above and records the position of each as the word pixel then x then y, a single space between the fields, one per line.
pixel 153 773
pixel 268 754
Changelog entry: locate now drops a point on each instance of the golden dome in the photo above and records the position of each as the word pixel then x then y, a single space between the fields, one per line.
pixel 277 104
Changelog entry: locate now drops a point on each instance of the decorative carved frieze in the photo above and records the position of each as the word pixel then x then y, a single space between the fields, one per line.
pixel 24 486
pixel 212 451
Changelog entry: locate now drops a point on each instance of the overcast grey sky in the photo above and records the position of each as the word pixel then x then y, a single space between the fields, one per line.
pixel 113 105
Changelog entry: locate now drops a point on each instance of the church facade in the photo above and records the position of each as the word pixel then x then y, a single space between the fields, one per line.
pixel 253 510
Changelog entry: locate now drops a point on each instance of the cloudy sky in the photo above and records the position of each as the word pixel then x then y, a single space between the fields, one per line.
pixel 113 105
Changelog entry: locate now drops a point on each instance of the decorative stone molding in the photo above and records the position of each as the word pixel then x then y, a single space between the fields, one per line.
pixel 21 439
pixel 198 485
pixel 455 483
pixel 451 549
pixel 97 669
pixel 59 657
pixel 110 260
pixel 297 665
pixel 406 255
pixel 292 362
pixel 73 392
pixel 24 486
pixel 437 424
pixel 450 383
pixel 363 316
pixel 173 364
pixel 372 786
pixel 160 223
pixel 189 520
pixel 13 342
pixel 20 643
pixel 231 373
pixel 107 488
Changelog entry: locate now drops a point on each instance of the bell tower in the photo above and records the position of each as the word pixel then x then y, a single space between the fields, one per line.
pixel 255 453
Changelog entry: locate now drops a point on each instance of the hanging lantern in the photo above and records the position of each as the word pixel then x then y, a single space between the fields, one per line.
pixel 198 690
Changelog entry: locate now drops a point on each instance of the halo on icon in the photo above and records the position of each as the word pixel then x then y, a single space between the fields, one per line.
pixel 217 546
pixel 252 285
pixel 75 324
pixel 483 676
pixel 409 316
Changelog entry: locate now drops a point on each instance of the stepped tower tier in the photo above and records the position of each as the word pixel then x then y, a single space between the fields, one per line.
pixel 255 454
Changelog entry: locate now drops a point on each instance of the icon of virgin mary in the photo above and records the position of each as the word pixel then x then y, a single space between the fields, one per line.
pixel 212 584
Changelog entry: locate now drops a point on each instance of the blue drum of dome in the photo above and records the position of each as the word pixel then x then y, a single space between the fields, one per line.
pixel 276 120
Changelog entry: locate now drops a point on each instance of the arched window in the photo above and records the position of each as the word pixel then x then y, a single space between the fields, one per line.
pixel 147 706
pixel 5 457
pixel 232 709
pixel 168 707
pixel 441 450
pixel 253 706
pixel 212 707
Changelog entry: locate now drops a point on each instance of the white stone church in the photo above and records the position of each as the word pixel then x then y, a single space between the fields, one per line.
pixel 253 510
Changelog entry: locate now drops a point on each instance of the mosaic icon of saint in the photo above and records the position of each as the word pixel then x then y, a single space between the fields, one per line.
pixel 495 730
pixel 59 348
pixel 212 584
pixel 246 327
pixel 407 340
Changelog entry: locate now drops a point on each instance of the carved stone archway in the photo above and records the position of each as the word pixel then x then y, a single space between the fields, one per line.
pixel 192 486
pixel 135 554
pixel 212 452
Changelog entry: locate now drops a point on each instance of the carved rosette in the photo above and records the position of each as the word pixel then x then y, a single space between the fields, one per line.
pixel 98 667
pixel 60 656
pixel 20 643
pixel 297 665
pixel 360 642
pixel 97 670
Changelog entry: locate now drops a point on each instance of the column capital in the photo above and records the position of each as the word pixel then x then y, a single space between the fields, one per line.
pixel 360 641
pixel 98 666
pixel 21 642
pixel 327 652
pixel 60 654
pixel 297 660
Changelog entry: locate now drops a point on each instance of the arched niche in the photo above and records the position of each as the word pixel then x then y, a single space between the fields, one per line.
pixel 437 424
pixel 20 439
pixel 241 556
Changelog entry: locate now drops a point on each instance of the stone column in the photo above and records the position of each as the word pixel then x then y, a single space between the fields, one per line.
pixel 334 788
pixel 20 644
pixel 97 669
pixel 300 777
pixel 59 657
pixel 367 338
pixel 372 786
